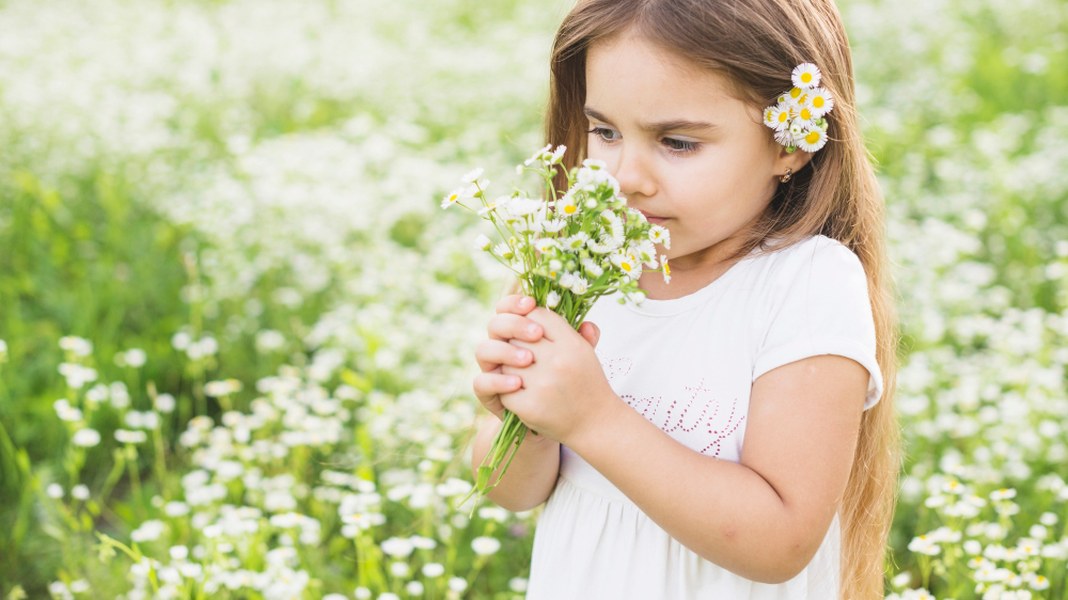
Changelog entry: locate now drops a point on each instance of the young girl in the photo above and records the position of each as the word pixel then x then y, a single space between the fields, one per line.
pixel 731 436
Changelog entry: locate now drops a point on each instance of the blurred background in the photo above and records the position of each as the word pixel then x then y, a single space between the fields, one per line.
pixel 235 327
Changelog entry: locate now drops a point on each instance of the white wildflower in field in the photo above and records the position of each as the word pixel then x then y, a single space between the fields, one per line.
pixel 79 492
pixel 433 570
pixel 165 403
pixel 76 346
pixel 128 436
pixel 397 547
pixel 66 412
pixel 484 546
pixel 86 438
pixel 148 531
pixel 134 358
pixel 223 387
pixel 77 375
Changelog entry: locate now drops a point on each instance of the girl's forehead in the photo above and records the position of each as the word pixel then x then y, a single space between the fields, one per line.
pixel 630 54
pixel 632 68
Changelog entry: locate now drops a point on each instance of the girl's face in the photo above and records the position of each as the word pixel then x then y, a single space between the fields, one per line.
pixel 687 153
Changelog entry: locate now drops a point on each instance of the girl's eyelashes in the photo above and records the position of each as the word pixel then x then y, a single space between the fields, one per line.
pixel 605 134
pixel 678 146
pixel 673 145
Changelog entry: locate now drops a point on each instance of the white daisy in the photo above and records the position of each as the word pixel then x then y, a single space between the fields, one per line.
pixel 544 245
pixel 553 299
pixel 503 250
pixel 552 225
pixel 580 286
pixel 577 241
pixel 520 206
pixel 785 138
pixel 658 234
pixel 793 97
pixel 451 198
pixel 615 226
pixel 627 263
pixel 646 253
pixel 806 75
pixel 804 117
pixel 472 176
pixel 812 139
pixel 592 267
pixel 539 155
pixel 777 117
pixel 555 266
pixel 602 245
pixel 567 206
pixel 821 101
pixel 483 242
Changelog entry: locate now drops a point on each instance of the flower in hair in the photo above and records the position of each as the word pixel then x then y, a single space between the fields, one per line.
pixel 797 117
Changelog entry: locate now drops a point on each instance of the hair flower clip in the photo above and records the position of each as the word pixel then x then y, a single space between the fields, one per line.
pixel 798 114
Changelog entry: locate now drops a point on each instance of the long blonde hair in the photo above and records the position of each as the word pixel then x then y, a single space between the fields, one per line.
pixel 756 44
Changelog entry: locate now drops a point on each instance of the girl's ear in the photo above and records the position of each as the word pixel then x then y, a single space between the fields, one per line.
pixel 794 161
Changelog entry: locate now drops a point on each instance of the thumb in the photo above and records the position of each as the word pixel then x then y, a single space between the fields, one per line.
pixel 590 332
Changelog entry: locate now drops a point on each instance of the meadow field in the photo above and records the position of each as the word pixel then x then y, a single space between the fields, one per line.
pixel 236 329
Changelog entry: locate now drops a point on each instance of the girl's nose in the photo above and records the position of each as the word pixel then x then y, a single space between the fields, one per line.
pixel 632 172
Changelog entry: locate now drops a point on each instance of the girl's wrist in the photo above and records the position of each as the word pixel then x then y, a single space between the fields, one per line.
pixel 609 416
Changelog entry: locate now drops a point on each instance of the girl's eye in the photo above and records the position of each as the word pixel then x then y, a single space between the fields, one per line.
pixel 679 146
pixel 605 134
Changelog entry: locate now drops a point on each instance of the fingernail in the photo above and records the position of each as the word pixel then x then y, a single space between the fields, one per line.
pixel 522 355
pixel 514 381
pixel 533 329
pixel 526 302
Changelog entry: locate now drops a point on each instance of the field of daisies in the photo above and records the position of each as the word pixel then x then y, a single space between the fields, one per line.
pixel 236 329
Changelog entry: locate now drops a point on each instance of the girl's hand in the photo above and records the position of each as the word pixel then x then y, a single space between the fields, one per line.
pixel 564 389
pixel 506 329
pixel 496 352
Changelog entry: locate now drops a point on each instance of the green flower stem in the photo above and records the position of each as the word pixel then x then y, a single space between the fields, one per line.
pixel 135 480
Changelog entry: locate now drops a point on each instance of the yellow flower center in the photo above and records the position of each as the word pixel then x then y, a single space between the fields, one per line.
pixel 784 116
pixel 795 92
pixel 570 209
pixel 806 114
pixel 625 266
pixel 812 137
pixel 806 77
pixel 817 101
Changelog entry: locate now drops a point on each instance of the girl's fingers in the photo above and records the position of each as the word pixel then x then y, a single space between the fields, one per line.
pixel 590 332
pixel 515 304
pixel 492 354
pixel 508 326
pixel 488 388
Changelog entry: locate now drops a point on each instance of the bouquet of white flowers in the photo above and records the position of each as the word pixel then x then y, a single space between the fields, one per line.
pixel 568 249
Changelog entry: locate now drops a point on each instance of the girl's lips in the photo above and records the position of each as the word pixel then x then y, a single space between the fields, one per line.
pixel 653 218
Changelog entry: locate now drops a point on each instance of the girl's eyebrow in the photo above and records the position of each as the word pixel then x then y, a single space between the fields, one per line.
pixel 657 126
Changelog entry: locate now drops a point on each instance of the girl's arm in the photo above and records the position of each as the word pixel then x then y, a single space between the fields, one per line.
pixel 762 518
pixel 532 474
